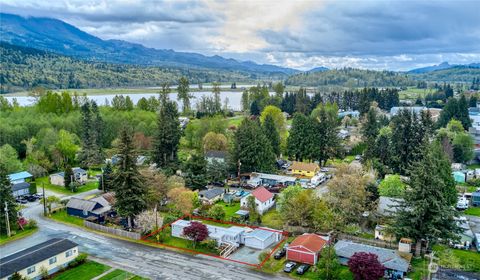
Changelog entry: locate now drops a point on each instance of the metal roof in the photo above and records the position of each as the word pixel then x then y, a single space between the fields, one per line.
pixel 19 175
pixel 211 193
pixel 34 255
pixel 260 234
pixel 387 257
pixel 81 204
pixel 20 186
pixel 388 205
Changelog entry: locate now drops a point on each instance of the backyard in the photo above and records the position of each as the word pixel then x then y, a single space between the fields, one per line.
pixel 474 211
pixel 85 271
pixel 119 274
pixel 230 209
pixel 165 237
pixel 272 219
pixel 62 216
pixel 45 182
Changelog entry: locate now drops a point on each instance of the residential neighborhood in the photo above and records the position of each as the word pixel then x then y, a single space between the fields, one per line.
pixel 239 140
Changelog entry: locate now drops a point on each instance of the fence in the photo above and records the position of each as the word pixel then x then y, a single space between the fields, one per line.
pixel 114 231
pixel 372 242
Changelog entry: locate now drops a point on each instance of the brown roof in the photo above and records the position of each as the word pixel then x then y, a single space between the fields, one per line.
pixel 297 165
pixel 310 241
pixel 110 197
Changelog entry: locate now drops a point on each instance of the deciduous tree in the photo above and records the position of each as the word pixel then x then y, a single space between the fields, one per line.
pixel 365 266
pixel 196 231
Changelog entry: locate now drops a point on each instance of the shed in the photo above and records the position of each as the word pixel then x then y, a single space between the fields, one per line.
pixel 476 198
pixel 82 208
pixel 459 176
pixel 260 238
pixel 211 195
pixel 306 248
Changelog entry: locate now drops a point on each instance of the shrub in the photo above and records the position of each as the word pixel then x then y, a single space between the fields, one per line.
pixel 217 212
pixel 44 273
pixel 32 224
pixel 80 259
pixel 263 255
pixel 209 244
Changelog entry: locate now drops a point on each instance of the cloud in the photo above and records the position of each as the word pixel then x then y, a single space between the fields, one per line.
pixel 302 33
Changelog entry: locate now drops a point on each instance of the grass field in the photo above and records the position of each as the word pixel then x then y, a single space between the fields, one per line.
pixel 414 93
pixel 419 269
pixel 44 181
pixel 272 219
pixel 18 235
pixel 230 209
pixel 168 239
pixel 86 271
pixel 468 260
pixel 474 211
pixel 119 274
pixel 62 216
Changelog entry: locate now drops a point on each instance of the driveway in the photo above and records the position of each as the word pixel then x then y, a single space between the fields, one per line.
pixel 136 258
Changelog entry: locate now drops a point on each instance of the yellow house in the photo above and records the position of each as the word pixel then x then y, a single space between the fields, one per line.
pixel 304 169
pixel 51 255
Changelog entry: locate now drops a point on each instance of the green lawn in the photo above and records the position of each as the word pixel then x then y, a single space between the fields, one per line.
pixel 44 181
pixel 474 211
pixel 18 234
pixel 86 271
pixel 230 208
pixel 272 219
pixel 235 120
pixel 62 216
pixel 473 166
pixel 469 260
pixel 419 269
pixel 119 274
pixel 168 239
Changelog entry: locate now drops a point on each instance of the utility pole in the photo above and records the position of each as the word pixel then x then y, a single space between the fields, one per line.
pixel 156 217
pixel 103 185
pixel 7 219
pixel 44 200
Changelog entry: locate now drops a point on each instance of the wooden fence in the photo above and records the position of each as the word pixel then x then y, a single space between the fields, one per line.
pixel 366 241
pixel 114 231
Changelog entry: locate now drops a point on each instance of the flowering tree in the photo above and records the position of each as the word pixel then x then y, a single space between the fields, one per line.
pixel 365 266
pixel 196 231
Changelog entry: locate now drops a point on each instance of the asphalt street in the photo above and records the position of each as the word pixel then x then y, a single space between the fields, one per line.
pixel 137 258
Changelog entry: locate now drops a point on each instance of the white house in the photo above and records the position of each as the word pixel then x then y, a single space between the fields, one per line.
pixel 19 184
pixel 79 176
pixel 51 255
pixel 261 238
pixel 264 200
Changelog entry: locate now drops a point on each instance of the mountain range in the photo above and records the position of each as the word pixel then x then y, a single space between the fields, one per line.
pixel 441 66
pixel 60 37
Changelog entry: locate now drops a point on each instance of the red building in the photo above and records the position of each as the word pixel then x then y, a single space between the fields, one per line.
pixel 306 248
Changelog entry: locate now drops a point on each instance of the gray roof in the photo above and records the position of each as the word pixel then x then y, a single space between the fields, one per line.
pixel 211 193
pixel 81 204
pixel 387 257
pixel 20 186
pixel 34 255
pixel 388 205
pixel 414 109
pixel 260 234
pixel 216 154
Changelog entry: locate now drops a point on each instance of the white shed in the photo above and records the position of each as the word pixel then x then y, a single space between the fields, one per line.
pixel 260 239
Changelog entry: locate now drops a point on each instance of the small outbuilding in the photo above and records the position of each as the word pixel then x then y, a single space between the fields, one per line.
pixel 306 248
pixel 97 207
pixel 210 196
pixel 260 238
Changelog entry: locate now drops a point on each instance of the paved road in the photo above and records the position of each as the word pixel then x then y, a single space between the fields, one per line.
pixel 136 258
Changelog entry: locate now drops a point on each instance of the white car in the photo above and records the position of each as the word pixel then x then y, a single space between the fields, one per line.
pixel 462 203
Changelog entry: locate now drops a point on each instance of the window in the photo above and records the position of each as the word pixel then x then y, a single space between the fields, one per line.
pixel 68 253
pixel 85 212
pixel 31 270
pixel 52 260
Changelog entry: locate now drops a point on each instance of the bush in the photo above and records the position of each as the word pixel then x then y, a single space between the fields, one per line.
pixel 32 224
pixel 209 244
pixel 263 255
pixel 353 229
pixel 217 212
pixel 80 259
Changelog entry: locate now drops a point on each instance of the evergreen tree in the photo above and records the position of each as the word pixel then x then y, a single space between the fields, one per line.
pixel 473 102
pixel 91 137
pixel 463 112
pixel 167 138
pixel 68 177
pixel 130 192
pixel 195 170
pixel 216 97
pixel 184 94
pixel 272 134
pixel 370 130
pixel 299 139
pixel 105 182
pixel 428 210
pixel 97 134
pixel 455 109
pixel 250 149
pixel 325 133
pixel 6 196
pixel 254 108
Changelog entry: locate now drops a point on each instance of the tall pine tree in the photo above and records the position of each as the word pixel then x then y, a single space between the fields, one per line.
pixel 370 130
pixel 428 210
pixel 272 134
pixel 6 197
pixel 168 134
pixel 130 192
pixel 184 94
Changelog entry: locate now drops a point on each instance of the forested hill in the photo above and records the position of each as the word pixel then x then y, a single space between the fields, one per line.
pixel 62 38
pixel 459 73
pixel 349 77
pixel 23 68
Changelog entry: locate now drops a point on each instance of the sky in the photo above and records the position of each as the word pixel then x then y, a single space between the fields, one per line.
pixel 381 34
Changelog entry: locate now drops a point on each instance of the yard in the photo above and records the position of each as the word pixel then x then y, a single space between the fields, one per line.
pixel 474 211
pixel 119 274
pixel 230 209
pixel 86 271
pixel 419 269
pixel 272 219
pixel 166 238
pixel 468 260
pixel 63 217
pixel 18 234
pixel 45 182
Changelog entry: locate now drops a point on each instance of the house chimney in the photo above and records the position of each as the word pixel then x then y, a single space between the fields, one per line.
pixel 405 245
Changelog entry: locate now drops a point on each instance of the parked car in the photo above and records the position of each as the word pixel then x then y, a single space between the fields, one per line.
pixel 280 254
pixel 462 203
pixel 323 169
pixel 22 200
pixel 358 157
pixel 31 198
pixel 289 266
pixel 303 268
pixel 38 195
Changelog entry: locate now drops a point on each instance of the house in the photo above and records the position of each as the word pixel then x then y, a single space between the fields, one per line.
pixel 79 176
pixel 459 176
pixel 352 114
pixel 261 239
pixel 257 179
pixel 387 206
pixel 210 196
pixel 466 236
pixel 264 200
pixel 304 168
pixel 234 236
pixel 395 262
pixel 97 207
pixel 306 248
pixel 52 255
pixel 414 109
pixel 382 234
pixel 216 157
pixel 20 186
pixel 476 198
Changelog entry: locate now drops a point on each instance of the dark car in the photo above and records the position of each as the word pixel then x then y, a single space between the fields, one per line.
pixel 302 269
pixel 289 266
pixel 280 254
pixel 31 198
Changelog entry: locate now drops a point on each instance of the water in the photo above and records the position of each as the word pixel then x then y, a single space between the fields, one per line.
pixel 234 98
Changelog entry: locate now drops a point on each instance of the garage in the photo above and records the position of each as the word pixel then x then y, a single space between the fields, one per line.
pixel 260 239
pixel 305 248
